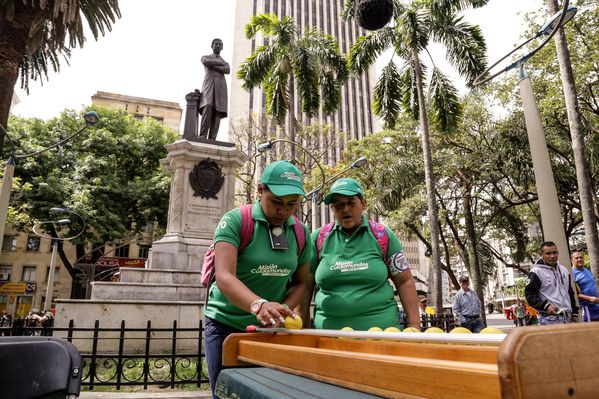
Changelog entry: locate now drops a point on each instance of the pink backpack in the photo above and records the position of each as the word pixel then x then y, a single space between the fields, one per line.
pixel 245 235
pixel 378 229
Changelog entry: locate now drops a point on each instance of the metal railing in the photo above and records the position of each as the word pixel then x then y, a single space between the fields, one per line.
pixel 109 359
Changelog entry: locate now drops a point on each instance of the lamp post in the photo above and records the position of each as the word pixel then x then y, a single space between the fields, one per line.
pixel 91 118
pixel 313 195
pixel 358 163
pixel 55 241
pixel 268 145
pixel 546 190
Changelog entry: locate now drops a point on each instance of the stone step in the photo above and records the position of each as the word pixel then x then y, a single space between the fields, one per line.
pixel 158 276
pixel 147 291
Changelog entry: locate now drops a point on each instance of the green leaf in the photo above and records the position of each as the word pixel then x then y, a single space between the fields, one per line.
pixel 446 109
pixel 387 95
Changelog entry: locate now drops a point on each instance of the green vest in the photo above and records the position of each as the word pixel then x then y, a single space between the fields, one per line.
pixel 352 278
pixel 263 270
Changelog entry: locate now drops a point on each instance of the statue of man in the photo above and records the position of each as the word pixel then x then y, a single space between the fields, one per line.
pixel 213 105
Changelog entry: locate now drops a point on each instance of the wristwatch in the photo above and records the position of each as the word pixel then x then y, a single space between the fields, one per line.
pixel 256 305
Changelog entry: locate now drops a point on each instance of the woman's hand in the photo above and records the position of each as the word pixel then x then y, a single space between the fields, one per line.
pixel 273 314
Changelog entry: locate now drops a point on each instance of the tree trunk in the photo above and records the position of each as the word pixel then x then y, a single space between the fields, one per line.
pixel 13 47
pixel 582 166
pixel 435 285
pixel 475 273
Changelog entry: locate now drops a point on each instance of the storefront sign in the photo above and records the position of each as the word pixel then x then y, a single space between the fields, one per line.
pixel 17 288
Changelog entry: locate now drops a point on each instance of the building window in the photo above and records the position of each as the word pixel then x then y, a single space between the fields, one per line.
pixel 138 117
pixel 5 271
pixel 122 251
pixel 33 244
pixel 28 273
pixel 9 242
pixel 143 251
pixel 56 274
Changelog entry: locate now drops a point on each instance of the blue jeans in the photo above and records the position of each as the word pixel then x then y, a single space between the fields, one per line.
pixel 214 336
pixel 545 319
pixel 474 325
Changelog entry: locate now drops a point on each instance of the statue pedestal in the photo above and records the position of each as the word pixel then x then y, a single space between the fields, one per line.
pixel 169 288
pixel 192 215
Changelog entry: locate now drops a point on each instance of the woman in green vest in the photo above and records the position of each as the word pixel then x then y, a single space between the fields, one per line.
pixel 353 262
pixel 264 281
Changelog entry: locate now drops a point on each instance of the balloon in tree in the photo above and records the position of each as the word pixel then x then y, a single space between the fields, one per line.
pixel 373 14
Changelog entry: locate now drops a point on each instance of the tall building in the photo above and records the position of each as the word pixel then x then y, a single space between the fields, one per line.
pixel 354 118
pixel 166 112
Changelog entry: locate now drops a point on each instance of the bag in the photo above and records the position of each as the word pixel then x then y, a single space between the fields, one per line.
pixel 245 236
pixel 378 230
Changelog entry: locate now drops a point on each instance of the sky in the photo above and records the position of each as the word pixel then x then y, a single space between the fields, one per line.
pixel 154 51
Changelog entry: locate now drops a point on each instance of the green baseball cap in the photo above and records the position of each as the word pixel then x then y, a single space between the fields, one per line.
pixel 344 186
pixel 283 178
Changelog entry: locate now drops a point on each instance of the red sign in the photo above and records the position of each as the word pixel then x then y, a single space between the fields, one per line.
pixel 109 261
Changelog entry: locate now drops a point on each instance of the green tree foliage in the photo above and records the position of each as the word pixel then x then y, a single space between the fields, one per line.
pixel 34 35
pixel 416 25
pixel 110 174
pixel 311 61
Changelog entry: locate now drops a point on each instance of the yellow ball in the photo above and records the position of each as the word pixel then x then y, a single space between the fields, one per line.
pixel 375 329
pixel 460 330
pixel 293 323
pixel 392 329
pixel 491 330
pixel 434 330
pixel 411 329
pixel 346 329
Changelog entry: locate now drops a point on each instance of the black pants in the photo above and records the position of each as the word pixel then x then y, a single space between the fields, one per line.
pixel 210 122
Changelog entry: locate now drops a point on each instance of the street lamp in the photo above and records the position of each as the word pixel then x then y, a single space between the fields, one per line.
pixel 358 163
pixel 55 241
pixel 546 190
pixel 91 118
pixel 314 193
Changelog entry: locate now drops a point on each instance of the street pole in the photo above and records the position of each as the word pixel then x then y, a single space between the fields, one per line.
pixel 50 286
pixel 551 220
pixel 314 207
pixel 5 189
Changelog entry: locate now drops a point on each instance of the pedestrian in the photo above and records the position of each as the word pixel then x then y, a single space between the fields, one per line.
pixel 265 281
pixel 520 313
pixel 467 307
pixel 490 307
pixel 587 297
pixel 352 265
pixel 549 289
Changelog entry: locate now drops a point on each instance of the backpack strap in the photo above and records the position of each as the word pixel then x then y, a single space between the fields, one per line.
pixel 247 227
pixel 382 237
pixel 300 236
pixel 322 236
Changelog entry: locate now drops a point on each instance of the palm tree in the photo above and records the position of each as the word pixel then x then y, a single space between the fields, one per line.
pixel 35 34
pixel 416 24
pixel 311 63
pixel 583 176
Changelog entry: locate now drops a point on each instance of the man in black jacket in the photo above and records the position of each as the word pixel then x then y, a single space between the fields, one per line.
pixel 549 289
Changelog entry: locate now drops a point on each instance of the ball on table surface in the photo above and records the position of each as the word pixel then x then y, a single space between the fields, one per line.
pixel 293 323
pixel 460 330
pixel 434 330
pixel 392 329
pixel 411 329
pixel 491 330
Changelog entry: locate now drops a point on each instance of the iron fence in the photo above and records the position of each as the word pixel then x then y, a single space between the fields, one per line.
pixel 109 362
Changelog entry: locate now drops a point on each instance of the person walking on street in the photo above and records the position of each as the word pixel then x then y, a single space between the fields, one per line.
pixel 549 289
pixel 587 296
pixel 467 307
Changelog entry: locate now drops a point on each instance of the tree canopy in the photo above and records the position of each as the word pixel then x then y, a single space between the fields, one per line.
pixel 110 174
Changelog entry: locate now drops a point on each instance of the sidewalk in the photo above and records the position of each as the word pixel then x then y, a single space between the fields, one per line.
pixel 146 395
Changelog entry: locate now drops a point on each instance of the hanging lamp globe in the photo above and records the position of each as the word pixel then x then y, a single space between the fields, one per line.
pixel 373 14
